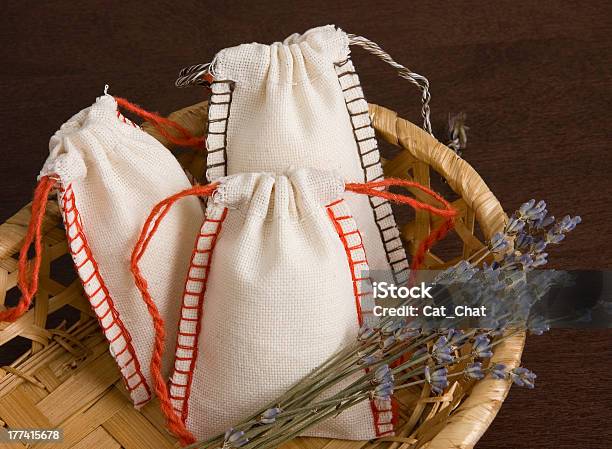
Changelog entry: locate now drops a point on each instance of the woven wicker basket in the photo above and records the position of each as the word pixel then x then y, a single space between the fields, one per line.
pixel 67 378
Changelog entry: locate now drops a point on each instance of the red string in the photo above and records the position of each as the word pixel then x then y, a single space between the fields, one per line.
pixel 161 124
pixel 447 212
pixel 175 424
pixel 29 286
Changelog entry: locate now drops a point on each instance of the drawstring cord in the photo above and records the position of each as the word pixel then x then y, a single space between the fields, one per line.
pixel 418 80
pixel 29 286
pixel 175 424
pixel 153 221
pixel 162 124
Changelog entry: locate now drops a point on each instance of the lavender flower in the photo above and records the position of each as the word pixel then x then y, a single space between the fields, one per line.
pixel 406 333
pixel 514 226
pixel 523 377
pixel 441 351
pixel 498 243
pixel 437 379
pixel 456 338
pixel 539 260
pixel 365 332
pixel 523 240
pixel 383 374
pixel 370 359
pixel 531 211
pixel 537 326
pixel 552 236
pixel 557 233
pixel 568 224
pixel 387 342
pixel 491 274
pixel 459 273
pixel 526 206
pixel 539 245
pixel 526 261
pixel 498 371
pixel 474 371
pixel 269 416
pixel 234 438
pixel 482 347
pixel 383 391
pixel 419 353
pixel 391 327
pixel 457 132
pixel 544 222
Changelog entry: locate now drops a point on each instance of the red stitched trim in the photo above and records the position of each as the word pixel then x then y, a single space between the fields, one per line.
pixel 211 240
pixel 126 120
pixel 68 195
pixel 334 203
pixel 376 412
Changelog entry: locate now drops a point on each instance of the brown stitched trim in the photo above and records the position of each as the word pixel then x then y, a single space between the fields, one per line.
pixel 364 166
pixel 225 118
pixel 354 100
pixel 348 72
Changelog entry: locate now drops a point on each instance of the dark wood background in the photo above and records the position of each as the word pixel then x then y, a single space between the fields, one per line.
pixel 533 77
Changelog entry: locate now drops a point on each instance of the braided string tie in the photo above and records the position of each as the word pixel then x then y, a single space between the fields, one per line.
pixel 29 285
pixel 162 124
pixel 418 80
pixel 174 422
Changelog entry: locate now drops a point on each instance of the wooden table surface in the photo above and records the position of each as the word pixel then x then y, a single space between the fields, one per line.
pixel 533 77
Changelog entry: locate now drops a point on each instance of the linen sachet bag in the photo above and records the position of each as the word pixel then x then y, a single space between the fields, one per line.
pixel 277 284
pixel 109 173
pixel 300 103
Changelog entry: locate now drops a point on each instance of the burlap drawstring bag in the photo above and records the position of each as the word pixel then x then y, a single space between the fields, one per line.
pixel 300 103
pixel 108 174
pixel 278 282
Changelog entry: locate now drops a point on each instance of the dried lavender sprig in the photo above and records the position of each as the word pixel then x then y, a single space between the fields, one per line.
pixel 422 360
pixel 390 358
pixel 300 427
pixel 344 404
pixel 313 394
pixel 342 358
pixel 336 399
pixel 457 132
pixel 437 378
pixel 533 217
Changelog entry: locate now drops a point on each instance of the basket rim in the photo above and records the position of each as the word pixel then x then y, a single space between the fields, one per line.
pixel 477 411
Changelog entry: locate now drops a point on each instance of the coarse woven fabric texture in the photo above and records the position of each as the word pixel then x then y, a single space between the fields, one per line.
pixel 272 301
pixel 299 103
pixel 111 174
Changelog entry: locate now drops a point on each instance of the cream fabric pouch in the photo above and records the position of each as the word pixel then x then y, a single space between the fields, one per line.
pixel 278 282
pixel 109 173
pixel 299 103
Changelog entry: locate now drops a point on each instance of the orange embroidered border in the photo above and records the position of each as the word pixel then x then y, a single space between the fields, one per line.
pixel 101 302
pixel 346 227
pixel 190 323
